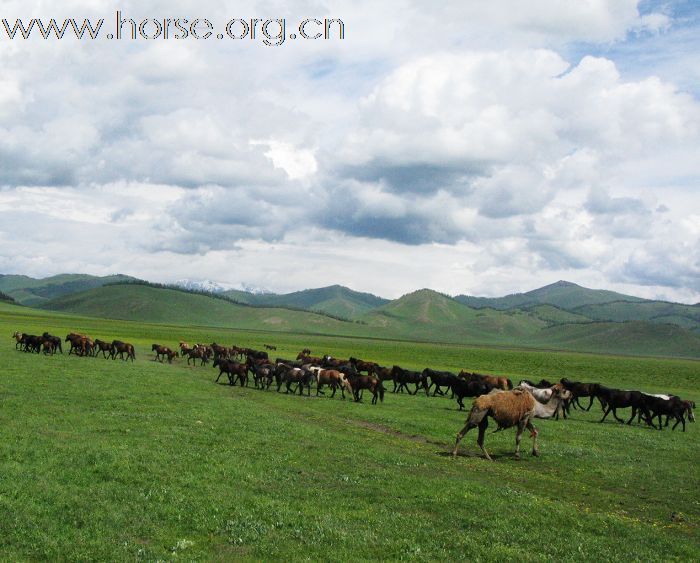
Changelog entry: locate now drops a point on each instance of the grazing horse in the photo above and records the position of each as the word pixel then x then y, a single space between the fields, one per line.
pixel 359 382
pixel 235 371
pixel 495 381
pixel 121 348
pixel 269 347
pixel 619 399
pixel 439 379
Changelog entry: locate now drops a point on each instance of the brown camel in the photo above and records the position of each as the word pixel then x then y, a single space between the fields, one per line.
pixel 510 408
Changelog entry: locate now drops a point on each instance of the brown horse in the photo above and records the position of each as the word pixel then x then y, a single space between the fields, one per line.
pixel 359 382
pixel 121 348
pixel 331 377
pixel 163 352
pixel 306 359
pixel 18 336
pixel 195 354
pixel 80 344
pixel 235 371
pixel 493 380
pixel 104 347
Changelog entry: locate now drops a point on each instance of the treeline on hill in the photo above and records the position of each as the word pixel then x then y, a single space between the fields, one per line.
pixel 226 298
pixel 6 297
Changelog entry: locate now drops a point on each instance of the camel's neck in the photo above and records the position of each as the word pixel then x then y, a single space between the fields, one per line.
pixel 548 409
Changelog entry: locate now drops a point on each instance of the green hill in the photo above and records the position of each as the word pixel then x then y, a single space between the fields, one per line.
pixel 335 300
pixel 634 337
pixel 426 314
pixel 556 315
pixel 687 316
pixel 423 315
pixel 32 291
pixel 563 294
pixel 155 305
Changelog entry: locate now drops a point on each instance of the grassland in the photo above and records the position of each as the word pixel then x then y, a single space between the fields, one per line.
pixel 105 460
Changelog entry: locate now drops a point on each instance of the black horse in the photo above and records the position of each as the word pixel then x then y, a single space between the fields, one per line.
pixel 402 377
pixel 619 399
pixel 439 379
pixel 468 388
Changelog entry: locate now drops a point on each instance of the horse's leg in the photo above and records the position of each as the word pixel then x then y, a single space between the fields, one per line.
pixel 590 402
pixel 606 413
pixel 634 413
pixel 614 411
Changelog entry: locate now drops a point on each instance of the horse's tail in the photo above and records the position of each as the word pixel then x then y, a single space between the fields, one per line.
pixel 381 391
pixel 509 383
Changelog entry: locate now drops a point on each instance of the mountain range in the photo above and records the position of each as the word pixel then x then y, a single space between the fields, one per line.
pixel 561 315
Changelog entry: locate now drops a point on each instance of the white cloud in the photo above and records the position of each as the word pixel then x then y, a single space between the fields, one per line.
pixel 455 146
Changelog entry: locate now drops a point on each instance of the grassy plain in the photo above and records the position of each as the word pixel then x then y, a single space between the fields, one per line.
pixel 108 460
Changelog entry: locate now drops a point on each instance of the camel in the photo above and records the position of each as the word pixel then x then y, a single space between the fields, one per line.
pixel 510 408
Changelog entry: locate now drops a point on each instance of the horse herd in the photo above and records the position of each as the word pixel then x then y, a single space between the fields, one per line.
pixel 80 345
pixel 495 396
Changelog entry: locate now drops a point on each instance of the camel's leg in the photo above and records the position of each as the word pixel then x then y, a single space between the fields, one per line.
pixel 483 425
pixel 460 435
pixel 533 433
pixel 518 436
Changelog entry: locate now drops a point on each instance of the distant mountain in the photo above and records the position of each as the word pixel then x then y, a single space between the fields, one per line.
pixel 6 297
pixel 334 300
pixel 562 294
pixel 33 291
pixel 200 285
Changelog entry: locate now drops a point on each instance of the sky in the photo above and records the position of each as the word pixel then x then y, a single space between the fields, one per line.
pixel 471 147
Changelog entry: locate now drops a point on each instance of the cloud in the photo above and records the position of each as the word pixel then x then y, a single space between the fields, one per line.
pixel 468 146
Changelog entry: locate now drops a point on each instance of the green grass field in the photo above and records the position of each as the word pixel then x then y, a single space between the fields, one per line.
pixel 109 460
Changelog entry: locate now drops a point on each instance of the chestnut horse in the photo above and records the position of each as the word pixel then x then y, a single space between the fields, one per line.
pixel 493 380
